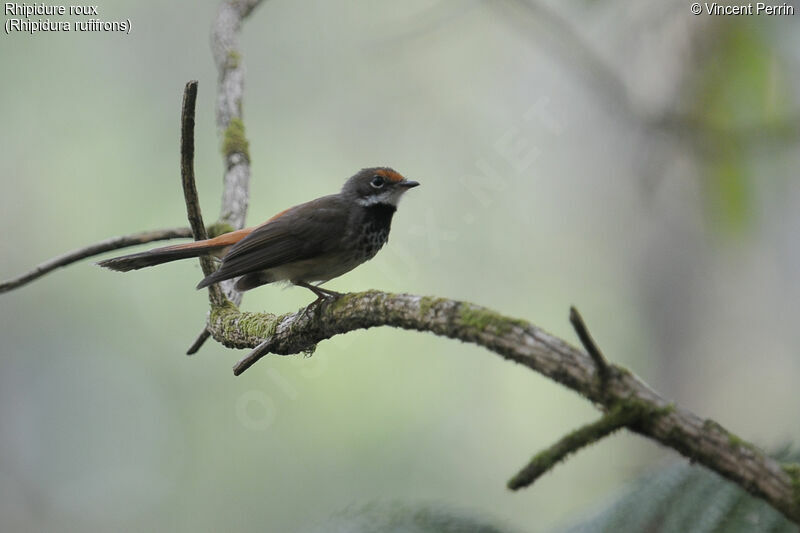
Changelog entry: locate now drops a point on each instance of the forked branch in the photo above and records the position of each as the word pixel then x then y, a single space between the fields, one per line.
pixel 632 402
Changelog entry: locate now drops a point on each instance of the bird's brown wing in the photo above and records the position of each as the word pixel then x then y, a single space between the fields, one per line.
pixel 302 232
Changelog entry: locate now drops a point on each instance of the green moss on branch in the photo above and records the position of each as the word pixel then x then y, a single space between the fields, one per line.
pixel 793 470
pixel 482 320
pixel 238 329
pixel 234 140
pixel 218 228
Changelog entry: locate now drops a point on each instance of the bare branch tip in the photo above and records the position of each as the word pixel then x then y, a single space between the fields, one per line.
pixel 198 343
pixel 250 359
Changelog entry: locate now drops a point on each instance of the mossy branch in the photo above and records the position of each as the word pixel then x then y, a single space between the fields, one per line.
pixel 618 417
pixel 622 393
pixel 231 70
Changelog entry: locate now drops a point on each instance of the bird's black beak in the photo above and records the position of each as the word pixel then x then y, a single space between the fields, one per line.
pixel 408 184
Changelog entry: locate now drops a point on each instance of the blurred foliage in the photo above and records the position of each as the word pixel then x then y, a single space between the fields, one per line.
pixel 739 90
pixel 679 498
pixel 685 498
pixel 395 517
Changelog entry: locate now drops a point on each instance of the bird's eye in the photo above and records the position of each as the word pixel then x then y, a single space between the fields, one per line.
pixel 377 182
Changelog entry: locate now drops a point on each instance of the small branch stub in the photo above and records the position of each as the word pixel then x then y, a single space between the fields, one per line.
pixel 199 341
pixel 586 339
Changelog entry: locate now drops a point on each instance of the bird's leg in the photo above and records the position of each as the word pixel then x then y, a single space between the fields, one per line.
pixel 329 292
pixel 322 294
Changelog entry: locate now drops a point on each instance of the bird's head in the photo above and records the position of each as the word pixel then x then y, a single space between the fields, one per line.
pixel 377 185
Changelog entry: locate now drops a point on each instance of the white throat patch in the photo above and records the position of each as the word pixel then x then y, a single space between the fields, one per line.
pixel 389 196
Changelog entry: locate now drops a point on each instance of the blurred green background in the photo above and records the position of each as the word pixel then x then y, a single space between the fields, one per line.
pixel 623 156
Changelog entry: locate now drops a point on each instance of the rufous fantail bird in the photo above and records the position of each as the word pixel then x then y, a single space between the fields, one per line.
pixel 311 242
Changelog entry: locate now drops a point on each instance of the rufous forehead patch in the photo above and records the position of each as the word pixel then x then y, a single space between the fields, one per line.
pixel 389 174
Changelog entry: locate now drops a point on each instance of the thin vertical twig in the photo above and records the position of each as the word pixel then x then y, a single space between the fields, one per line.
pixel 189 188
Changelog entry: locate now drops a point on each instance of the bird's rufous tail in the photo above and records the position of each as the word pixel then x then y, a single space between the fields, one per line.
pixel 216 246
